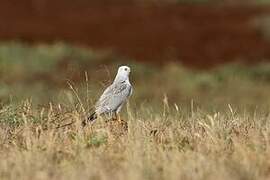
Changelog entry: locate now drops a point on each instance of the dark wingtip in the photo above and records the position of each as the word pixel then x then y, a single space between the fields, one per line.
pixel 91 118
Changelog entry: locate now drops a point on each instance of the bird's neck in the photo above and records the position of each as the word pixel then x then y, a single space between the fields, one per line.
pixel 121 78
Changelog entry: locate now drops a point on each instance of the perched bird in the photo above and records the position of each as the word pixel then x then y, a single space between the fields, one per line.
pixel 114 96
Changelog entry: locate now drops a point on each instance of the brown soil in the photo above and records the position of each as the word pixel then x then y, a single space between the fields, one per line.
pixel 197 35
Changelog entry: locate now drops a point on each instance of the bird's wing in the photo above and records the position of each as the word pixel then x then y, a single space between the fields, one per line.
pixel 113 97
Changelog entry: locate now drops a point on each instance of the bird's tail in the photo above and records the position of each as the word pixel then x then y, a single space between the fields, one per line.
pixel 91 118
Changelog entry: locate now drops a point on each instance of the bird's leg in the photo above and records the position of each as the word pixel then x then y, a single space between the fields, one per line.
pixel 118 117
pixel 114 116
pixel 122 123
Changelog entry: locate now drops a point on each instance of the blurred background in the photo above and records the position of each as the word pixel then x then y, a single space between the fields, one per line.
pixel 208 52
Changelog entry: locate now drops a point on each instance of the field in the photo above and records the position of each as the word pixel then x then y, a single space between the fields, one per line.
pixel 182 123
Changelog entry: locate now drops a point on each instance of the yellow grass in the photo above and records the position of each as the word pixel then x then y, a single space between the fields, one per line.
pixel 165 145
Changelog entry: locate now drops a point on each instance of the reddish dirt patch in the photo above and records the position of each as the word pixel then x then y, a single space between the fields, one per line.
pixel 199 35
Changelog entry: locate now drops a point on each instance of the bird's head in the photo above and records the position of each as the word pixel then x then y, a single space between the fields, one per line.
pixel 123 73
pixel 123 70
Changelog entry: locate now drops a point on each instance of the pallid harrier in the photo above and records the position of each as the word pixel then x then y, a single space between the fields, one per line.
pixel 114 96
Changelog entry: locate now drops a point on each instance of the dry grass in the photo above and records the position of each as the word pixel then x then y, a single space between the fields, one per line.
pixel 166 145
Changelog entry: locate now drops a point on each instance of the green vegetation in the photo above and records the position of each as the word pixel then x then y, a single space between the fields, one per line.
pixel 182 123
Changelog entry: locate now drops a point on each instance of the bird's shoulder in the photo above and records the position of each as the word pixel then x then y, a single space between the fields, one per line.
pixel 117 88
pixel 114 92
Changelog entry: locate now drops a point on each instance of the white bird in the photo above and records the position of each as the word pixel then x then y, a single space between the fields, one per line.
pixel 114 96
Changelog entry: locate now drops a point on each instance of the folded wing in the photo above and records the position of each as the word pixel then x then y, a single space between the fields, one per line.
pixel 113 97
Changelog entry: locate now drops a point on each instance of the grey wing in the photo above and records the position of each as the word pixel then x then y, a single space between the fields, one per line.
pixel 129 94
pixel 113 97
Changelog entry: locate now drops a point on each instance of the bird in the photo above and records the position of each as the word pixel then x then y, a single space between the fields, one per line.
pixel 114 97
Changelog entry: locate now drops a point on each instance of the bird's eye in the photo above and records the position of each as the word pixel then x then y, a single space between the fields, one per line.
pixel 125 69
